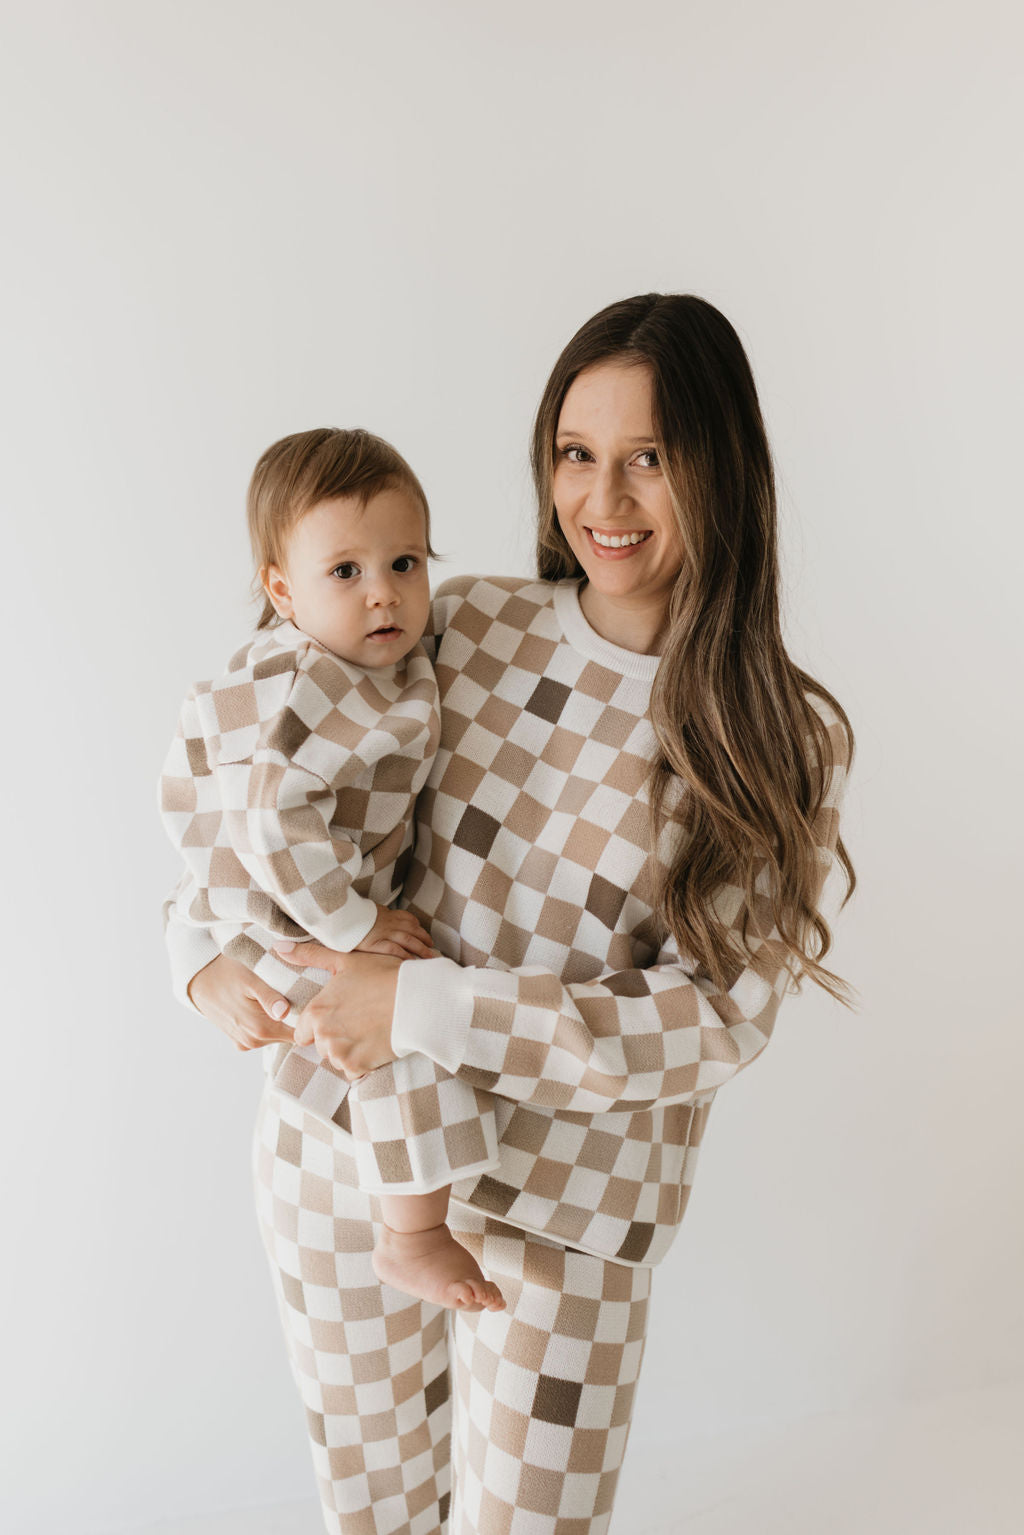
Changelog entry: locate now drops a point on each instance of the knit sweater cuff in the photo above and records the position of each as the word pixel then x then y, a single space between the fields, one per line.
pixel 191 949
pixel 345 929
pixel 433 1008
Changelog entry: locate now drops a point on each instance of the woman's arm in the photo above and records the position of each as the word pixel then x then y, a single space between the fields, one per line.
pixel 635 1039
pixel 632 1040
pixel 190 948
pixel 207 982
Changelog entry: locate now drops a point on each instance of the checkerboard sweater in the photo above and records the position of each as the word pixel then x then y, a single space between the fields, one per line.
pixel 289 789
pixel 558 989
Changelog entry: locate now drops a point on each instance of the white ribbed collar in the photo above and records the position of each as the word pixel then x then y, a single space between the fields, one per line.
pixel 630 663
pixel 289 636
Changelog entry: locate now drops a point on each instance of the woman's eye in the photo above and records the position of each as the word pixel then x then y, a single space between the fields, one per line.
pixel 404 563
pixel 652 455
pixel 345 571
pixel 575 454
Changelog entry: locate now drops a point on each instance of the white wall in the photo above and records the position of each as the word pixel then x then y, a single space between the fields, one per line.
pixel 231 220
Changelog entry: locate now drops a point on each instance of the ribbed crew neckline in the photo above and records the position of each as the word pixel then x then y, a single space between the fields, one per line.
pixel 629 663
pixel 291 635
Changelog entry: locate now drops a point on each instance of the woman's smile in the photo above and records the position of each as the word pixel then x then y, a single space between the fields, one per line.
pixel 618 544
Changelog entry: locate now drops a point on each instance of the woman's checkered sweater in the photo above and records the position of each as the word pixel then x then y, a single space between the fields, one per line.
pixel 559 991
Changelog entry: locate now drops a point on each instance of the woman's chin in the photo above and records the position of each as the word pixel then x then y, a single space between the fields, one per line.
pixel 626 586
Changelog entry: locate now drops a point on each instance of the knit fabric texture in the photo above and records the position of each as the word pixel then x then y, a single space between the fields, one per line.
pixel 289 789
pixel 559 990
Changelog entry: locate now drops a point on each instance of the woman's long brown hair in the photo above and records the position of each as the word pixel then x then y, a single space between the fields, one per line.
pixel 730 710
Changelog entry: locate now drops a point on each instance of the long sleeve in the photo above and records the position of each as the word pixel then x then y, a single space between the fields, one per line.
pixel 278 818
pixel 190 948
pixel 634 1039
pixel 289 791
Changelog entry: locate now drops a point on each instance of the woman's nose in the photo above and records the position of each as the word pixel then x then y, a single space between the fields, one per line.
pixel 608 493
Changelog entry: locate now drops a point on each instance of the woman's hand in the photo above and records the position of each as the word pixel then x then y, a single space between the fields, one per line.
pixel 246 1008
pixel 349 1020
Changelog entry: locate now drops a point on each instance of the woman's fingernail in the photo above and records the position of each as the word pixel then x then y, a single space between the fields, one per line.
pixel 283 948
pixel 279 1009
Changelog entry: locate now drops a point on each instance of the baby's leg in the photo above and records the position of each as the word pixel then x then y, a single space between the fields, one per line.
pixel 417 1254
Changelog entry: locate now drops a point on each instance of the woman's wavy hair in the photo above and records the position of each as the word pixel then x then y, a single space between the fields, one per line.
pixel 730 710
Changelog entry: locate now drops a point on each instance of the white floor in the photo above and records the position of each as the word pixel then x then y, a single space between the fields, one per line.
pixel 945 1466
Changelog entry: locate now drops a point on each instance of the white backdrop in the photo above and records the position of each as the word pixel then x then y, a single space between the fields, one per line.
pixel 226 221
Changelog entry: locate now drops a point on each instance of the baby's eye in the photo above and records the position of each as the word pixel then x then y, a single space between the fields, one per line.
pixel 345 571
pixel 404 563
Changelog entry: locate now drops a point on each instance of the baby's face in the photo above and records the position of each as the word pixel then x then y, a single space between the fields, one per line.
pixel 355 577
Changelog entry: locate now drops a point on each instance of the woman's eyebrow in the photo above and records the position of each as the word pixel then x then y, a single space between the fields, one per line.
pixel 568 432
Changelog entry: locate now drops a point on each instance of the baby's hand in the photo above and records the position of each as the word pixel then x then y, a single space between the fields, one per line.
pixel 398 933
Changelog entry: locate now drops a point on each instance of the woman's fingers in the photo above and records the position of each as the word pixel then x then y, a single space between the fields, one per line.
pixel 303 1030
pixel 244 1007
pixel 353 1011
pixel 338 1052
pixel 271 1010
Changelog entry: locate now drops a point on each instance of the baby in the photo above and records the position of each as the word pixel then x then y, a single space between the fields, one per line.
pixel 289 789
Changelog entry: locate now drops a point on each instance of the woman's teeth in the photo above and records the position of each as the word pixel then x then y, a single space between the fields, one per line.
pixel 614 541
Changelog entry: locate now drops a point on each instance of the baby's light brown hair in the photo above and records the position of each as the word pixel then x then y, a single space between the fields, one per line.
pixel 299 471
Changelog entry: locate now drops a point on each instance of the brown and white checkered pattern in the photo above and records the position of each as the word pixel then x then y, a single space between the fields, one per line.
pixel 559 989
pixel 543 1391
pixel 414 1127
pixel 290 785
pixel 289 789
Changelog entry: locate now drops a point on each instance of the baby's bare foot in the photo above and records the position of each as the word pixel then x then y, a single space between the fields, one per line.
pixel 433 1266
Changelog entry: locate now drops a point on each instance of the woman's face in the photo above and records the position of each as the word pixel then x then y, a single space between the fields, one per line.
pixel 613 504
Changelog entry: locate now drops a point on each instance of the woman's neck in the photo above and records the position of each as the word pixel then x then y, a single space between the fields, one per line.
pixel 635 624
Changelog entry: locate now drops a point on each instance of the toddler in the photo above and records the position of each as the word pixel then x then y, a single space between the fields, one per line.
pixel 289 790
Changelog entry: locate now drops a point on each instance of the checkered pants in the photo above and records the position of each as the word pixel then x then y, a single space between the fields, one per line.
pixel 536 1427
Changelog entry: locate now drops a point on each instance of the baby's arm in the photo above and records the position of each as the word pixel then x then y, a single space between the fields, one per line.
pixel 280 820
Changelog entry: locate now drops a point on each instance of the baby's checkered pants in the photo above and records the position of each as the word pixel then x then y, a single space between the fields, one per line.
pixel 543 1391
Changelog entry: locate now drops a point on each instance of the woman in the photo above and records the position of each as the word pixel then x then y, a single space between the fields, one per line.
pixel 620 855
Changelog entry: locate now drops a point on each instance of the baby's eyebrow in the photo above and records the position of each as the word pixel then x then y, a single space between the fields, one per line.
pixel 336 557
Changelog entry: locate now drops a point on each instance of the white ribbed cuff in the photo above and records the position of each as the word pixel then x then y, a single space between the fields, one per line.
pixel 347 927
pixel 190 949
pixel 433 1009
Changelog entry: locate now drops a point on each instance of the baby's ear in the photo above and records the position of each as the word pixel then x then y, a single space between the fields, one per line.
pixel 275 584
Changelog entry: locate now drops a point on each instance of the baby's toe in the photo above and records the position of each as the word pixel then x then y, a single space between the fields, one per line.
pixel 490 1296
pixel 464 1296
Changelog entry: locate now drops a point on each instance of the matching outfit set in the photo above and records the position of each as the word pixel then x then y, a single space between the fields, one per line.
pixel 587 1044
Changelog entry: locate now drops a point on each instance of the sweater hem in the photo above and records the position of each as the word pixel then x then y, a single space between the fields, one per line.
pixel 550 1236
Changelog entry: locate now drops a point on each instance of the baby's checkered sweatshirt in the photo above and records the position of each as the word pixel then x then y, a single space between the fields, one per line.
pixel 289 789
pixel 558 989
